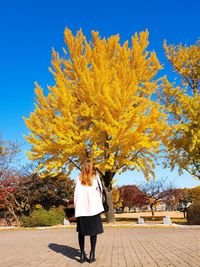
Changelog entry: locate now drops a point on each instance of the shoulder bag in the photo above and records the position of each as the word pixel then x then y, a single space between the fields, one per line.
pixel 104 198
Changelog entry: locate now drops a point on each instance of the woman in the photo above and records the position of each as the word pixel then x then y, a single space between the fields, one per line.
pixel 88 207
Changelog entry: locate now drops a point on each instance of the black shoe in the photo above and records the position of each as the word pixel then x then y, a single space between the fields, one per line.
pixel 92 257
pixel 83 257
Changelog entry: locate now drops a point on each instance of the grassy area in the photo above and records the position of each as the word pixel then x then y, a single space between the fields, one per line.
pixel 179 220
pixel 132 217
pixel 172 214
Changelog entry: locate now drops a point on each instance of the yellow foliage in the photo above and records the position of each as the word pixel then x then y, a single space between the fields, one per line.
pixel 38 206
pixel 117 202
pixel 186 61
pixel 195 192
pixel 102 103
pixel 183 103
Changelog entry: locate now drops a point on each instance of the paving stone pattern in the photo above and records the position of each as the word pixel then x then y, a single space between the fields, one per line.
pixel 117 246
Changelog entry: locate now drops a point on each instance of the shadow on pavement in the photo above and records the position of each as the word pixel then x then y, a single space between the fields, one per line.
pixel 67 251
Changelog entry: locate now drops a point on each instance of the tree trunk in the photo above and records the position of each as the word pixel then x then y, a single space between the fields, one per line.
pixel 14 216
pixel 107 178
pixel 110 215
pixel 152 211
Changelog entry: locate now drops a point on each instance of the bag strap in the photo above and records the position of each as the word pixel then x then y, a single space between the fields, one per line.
pixel 101 190
pixel 103 194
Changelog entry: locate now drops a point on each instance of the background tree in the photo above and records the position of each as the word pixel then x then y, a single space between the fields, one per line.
pixel 21 190
pixel 8 201
pixel 117 201
pixel 21 194
pixel 174 198
pixel 8 174
pixel 102 106
pixel 185 200
pixel 183 105
pixel 48 192
pixel 195 194
pixel 155 191
pixel 132 196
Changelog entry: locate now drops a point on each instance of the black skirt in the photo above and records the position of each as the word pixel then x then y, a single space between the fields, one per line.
pixel 89 225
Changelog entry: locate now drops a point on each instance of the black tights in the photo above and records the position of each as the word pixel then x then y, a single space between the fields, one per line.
pixel 81 240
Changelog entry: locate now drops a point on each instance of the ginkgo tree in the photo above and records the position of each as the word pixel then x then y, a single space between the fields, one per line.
pixel 102 106
pixel 183 104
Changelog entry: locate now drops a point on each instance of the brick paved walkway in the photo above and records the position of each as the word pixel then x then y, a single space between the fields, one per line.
pixel 118 246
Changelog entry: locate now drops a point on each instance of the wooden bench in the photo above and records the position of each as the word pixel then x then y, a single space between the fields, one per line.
pixel 166 219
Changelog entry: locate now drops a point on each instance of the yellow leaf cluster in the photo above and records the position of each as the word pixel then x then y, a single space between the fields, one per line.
pixel 117 201
pixel 186 61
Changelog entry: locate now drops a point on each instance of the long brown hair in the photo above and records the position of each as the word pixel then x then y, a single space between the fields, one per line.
pixel 87 173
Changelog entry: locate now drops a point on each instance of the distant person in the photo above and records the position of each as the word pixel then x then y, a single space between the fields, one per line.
pixel 88 207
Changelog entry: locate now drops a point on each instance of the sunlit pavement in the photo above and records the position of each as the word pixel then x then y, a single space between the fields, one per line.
pixel 117 246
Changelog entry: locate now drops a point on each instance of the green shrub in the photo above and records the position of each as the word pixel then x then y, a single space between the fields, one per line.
pixel 193 213
pixel 57 213
pixel 42 217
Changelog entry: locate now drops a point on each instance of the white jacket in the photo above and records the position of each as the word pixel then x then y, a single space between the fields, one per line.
pixel 87 199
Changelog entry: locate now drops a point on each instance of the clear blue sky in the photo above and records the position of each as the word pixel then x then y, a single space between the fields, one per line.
pixel 29 30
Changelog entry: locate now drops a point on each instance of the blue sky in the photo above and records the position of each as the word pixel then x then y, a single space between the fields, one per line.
pixel 29 30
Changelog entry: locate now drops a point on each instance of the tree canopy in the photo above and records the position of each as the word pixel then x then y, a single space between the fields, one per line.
pixel 183 104
pixel 102 105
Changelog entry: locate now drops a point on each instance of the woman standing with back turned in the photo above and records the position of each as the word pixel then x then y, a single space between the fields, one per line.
pixel 88 207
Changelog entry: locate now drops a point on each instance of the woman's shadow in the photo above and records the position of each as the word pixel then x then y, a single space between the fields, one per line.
pixel 67 251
